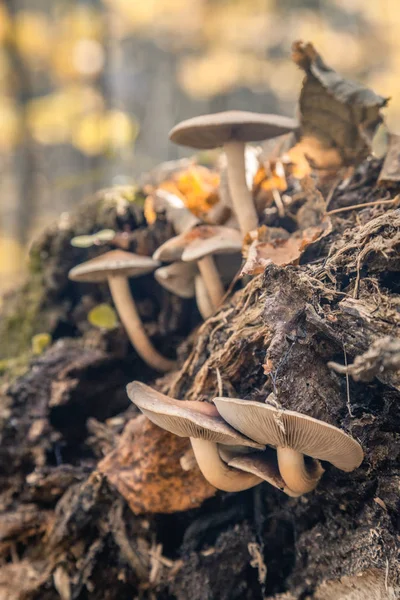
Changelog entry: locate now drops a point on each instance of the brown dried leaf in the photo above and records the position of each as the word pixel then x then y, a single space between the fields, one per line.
pixel 263 247
pixel 338 117
pixel 391 167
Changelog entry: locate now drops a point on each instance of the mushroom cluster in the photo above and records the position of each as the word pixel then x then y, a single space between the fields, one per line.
pixel 240 443
pixel 196 253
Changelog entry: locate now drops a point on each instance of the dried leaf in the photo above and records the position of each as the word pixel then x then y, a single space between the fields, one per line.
pixel 391 167
pixel 262 249
pixel 338 117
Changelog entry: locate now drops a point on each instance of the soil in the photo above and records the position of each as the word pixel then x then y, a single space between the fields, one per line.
pixel 77 520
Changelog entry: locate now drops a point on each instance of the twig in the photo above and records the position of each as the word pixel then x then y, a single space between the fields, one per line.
pixel 347 384
pixel 220 384
pixel 333 190
pixel 366 204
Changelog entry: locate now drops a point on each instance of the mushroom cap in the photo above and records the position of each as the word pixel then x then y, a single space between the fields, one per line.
pixel 210 131
pixel 115 262
pixel 178 278
pixel 285 428
pixel 263 464
pixel 183 418
pixel 199 242
pixel 212 240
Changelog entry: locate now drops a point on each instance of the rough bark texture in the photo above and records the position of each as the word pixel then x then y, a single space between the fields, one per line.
pixel 65 529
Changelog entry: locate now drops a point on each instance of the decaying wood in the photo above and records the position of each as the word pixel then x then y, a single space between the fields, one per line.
pixel 77 462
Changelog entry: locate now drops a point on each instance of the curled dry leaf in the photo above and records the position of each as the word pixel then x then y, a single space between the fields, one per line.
pixel 338 117
pixel 390 172
pixel 196 187
pixel 262 249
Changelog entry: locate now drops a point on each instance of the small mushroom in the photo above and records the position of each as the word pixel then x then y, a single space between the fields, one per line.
pixel 116 267
pixel 262 464
pixel 199 244
pixel 200 422
pixel 293 435
pixel 183 280
pixel 178 278
pixel 232 129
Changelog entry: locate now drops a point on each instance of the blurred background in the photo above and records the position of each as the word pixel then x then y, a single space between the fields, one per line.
pixel 89 89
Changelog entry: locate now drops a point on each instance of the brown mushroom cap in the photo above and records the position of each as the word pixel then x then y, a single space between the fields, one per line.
pixel 115 262
pixel 263 464
pixel 213 240
pixel 186 419
pixel 178 278
pixel 210 131
pixel 288 429
pixel 199 242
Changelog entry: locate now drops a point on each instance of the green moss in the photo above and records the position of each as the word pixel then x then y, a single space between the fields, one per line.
pixel 12 368
pixel 20 318
pixel 35 262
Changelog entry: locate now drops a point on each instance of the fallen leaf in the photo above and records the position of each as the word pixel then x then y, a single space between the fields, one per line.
pixel 391 166
pixel 261 248
pixel 338 117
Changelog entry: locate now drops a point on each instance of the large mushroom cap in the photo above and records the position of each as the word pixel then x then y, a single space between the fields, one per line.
pixel 115 262
pixel 212 240
pixel 178 278
pixel 199 242
pixel 186 419
pixel 288 429
pixel 210 131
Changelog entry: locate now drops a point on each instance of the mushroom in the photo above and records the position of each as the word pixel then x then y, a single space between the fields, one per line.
pixel 200 422
pixel 183 280
pixel 116 267
pixel 293 435
pixel 198 245
pixel 262 464
pixel 232 129
pixel 178 278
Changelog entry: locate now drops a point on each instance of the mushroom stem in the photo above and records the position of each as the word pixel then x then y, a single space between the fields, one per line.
pixel 242 198
pixel 126 307
pixel 202 299
pixel 212 279
pixel 294 472
pixel 217 472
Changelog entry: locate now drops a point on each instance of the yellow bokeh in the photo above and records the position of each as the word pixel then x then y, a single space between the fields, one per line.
pixel 5 23
pixel 33 35
pixel 51 119
pixel 10 124
pixel 122 130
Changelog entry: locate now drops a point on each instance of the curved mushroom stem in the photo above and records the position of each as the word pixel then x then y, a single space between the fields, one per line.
pixel 204 305
pixel 217 472
pixel 294 472
pixel 242 198
pixel 212 280
pixel 126 307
